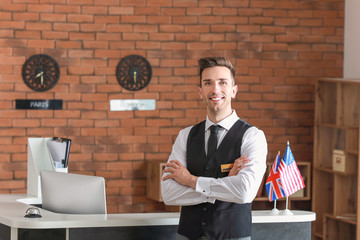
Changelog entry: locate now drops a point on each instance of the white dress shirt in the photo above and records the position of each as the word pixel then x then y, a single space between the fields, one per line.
pixel 241 188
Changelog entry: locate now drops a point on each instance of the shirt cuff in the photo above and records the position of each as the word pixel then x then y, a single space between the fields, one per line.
pixel 203 187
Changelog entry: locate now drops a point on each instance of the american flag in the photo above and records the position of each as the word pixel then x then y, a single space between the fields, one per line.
pixel 290 176
pixel 273 184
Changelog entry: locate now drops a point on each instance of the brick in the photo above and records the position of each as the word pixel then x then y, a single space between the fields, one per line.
pixel 173 45
pixel 55 35
pixel 121 10
pixel 159 20
pixel 134 36
pixel 311 22
pixel 13 7
pixel 96 27
pixel 26 123
pixel 81 70
pixel 67 9
pixel 94 10
pixel 19 184
pixel 26 16
pixel 235 20
pixel 6 33
pixel 53 17
pixel 40 132
pixel 161 36
pixel 96 45
pixel 12 24
pixel 43 7
pixel 171 28
pixel 186 37
pixel 198 11
pixel 66 27
pixel 80 18
pixel 133 19
pixel 5 15
pixel 261 20
pixel 184 20
pixel 248 28
pixel 11 60
pixel 28 34
pixel 144 28
pixel 197 46
pixel 211 20
pixel 288 38
pixel 224 45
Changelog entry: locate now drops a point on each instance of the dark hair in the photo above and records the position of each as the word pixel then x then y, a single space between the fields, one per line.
pixel 207 62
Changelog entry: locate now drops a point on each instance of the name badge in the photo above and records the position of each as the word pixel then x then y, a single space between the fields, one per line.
pixel 226 167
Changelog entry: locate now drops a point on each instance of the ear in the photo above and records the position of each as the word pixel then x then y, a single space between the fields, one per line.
pixel 234 91
pixel 200 92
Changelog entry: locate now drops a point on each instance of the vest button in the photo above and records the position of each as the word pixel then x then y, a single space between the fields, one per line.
pixel 203 223
pixel 207 168
pixel 205 209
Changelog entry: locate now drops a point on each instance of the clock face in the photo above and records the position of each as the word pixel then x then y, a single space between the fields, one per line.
pixel 40 72
pixel 133 72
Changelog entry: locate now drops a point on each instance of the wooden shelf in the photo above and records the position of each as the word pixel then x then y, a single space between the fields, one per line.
pixel 339 228
pixel 329 170
pixel 301 195
pixel 153 177
pixel 335 196
pixel 261 202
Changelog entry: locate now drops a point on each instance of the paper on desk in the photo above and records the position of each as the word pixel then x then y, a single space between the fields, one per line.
pixel 57 151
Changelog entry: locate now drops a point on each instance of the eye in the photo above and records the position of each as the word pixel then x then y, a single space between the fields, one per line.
pixel 223 82
pixel 206 83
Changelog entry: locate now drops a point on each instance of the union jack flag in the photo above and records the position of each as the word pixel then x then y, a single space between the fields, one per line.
pixel 273 183
pixel 290 176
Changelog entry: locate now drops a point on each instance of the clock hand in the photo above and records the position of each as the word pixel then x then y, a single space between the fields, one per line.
pixel 135 77
pixel 41 75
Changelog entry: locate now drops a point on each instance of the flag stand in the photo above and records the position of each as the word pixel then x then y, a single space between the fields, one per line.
pixel 287 211
pixel 274 211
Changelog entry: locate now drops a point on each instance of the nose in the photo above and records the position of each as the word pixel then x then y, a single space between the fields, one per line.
pixel 215 87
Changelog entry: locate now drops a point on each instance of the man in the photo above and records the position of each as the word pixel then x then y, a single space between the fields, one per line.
pixel 215 187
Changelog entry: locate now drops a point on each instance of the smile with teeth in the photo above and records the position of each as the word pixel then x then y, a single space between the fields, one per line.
pixel 216 98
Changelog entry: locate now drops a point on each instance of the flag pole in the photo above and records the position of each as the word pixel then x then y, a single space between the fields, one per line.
pixel 287 211
pixel 274 211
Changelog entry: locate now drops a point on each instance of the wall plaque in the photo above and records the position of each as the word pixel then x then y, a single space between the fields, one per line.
pixel 132 104
pixel 36 104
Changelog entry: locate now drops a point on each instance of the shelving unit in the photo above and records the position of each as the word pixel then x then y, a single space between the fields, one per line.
pixel 300 200
pixel 297 201
pixel 335 197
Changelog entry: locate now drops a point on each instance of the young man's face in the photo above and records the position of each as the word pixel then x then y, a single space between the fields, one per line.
pixel 217 89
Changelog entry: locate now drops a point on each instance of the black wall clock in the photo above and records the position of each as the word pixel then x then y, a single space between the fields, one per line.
pixel 133 72
pixel 40 72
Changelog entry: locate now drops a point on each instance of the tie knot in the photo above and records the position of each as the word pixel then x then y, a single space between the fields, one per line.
pixel 214 129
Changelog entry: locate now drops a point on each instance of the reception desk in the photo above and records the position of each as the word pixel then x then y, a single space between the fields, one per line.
pixel 132 226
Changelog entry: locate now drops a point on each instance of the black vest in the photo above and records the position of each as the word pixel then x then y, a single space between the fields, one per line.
pixel 220 220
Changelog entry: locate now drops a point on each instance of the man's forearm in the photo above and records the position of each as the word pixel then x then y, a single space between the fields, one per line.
pixel 180 174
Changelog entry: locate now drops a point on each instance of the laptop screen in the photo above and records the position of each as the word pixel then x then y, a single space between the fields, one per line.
pixel 72 193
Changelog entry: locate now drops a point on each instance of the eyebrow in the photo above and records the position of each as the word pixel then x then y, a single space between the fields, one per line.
pixel 218 79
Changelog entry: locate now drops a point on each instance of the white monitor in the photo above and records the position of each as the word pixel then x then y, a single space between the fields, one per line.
pixel 72 193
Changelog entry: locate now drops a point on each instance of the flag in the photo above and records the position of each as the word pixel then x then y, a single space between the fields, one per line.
pixel 290 176
pixel 273 184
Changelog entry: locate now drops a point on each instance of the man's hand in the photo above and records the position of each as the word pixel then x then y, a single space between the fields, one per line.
pixel 180 174
pixel 238 165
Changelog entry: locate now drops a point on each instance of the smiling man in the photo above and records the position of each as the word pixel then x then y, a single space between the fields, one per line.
pixel 216 166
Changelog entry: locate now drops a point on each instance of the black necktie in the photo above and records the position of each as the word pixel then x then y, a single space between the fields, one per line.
pixel 212 143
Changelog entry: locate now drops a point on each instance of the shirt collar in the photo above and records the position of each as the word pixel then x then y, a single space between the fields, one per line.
pixel 226 123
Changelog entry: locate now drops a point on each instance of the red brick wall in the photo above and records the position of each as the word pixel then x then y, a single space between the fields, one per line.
pixel 279 48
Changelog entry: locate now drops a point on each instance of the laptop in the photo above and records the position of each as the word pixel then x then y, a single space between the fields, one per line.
pixel 72 193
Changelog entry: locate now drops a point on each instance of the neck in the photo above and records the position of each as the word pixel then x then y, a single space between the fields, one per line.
pixel 216 117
